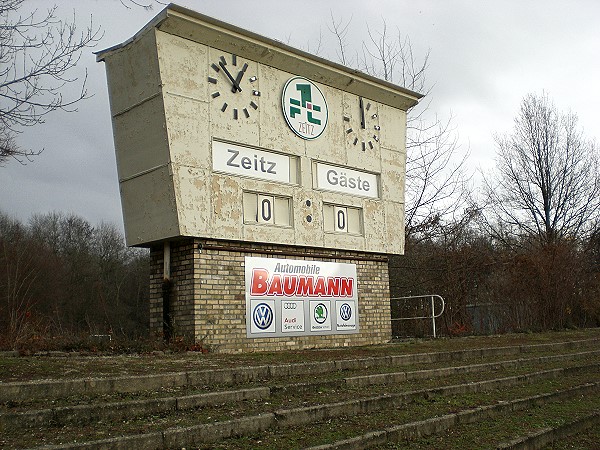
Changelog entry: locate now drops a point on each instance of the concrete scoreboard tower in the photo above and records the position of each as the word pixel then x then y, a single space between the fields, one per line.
pixel 267 182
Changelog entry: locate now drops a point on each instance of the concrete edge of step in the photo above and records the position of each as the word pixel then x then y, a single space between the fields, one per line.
pixel 70 415
pixel 439 424
pixel 82 414
pixel 394 377
pixel 13 391
pixel 211 432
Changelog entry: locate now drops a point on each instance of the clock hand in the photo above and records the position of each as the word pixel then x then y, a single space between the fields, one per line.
pixel 362 112
pixel 239 77
pixel 236 86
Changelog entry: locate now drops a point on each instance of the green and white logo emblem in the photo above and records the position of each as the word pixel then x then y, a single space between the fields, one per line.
pixel 304 108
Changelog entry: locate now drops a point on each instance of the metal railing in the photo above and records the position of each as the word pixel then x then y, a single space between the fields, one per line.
pixel 423 298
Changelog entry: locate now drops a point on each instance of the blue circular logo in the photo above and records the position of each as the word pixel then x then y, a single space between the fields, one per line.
pixel 262 316
pixel 345 312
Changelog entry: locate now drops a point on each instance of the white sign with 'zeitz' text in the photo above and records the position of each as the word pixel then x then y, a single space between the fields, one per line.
pixel 347 181
pixel 250 162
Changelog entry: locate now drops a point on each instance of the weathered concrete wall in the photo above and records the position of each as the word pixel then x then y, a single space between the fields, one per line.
pixel 168 99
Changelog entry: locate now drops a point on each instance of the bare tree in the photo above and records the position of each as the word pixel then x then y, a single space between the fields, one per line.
pixel 148 5
pixel 436 179
pixel 37 54
pixel 18 275
pixel 339 28
pixel 547 180
pixel 60 276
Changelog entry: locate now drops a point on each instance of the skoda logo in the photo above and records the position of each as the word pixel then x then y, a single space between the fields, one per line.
pixel 320 313
pixel 345 311
pixel 262 316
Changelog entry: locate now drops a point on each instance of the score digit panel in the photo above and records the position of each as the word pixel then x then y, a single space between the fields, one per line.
pixel 260 208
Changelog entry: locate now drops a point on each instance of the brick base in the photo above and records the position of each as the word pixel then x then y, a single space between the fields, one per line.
pixel 208 304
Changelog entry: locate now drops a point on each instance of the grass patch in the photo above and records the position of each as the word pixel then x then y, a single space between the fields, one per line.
pixel 588 439
pixel 507 426
pixel 328 431
pixel 53 365
pixel 321 383
pixel 351 426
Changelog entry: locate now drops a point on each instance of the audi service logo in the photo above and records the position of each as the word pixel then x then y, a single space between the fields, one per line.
pixel 262 316
pixel 345 312
pixel 290 305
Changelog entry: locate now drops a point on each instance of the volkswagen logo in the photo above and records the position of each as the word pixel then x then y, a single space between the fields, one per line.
pixel 320 313
pixel 262 316
pixel 345 311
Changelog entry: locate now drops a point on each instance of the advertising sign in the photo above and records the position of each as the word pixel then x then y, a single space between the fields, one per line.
pixel 287 297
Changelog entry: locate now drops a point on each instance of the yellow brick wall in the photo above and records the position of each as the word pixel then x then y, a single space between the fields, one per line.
pixel 208 303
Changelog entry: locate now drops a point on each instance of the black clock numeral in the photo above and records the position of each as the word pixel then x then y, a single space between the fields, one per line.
pixel 368 107
pixel 362 112
pixel 246 113
pixel 235 114
pixel 215 67
pixel 254 105
pixel 349 130
pixel 234 60
pixel 224 107
pixel 370 145
pixel 355 140
pixel 364 146
pixel 212 80
pixel 222 58
pixel 215 94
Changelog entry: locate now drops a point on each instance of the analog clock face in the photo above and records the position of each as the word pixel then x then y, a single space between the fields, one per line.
pixel 234 89
pixel 361 125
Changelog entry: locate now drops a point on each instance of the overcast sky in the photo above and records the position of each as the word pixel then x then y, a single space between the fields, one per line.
pixel 485 56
